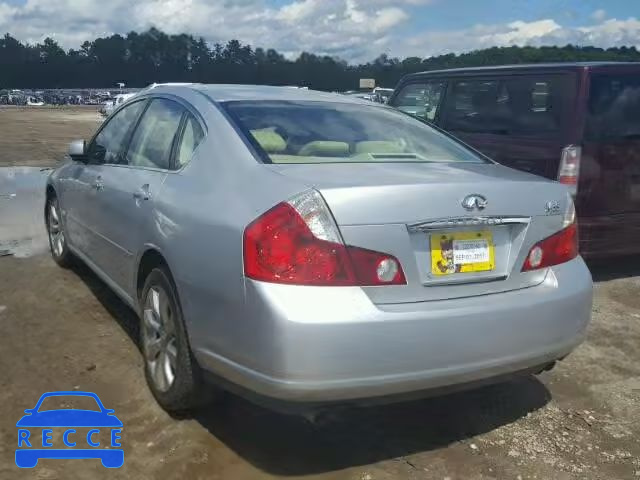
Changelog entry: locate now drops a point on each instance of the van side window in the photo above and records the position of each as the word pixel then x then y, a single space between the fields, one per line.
pixel 540 97
pixel 614 107
pixel 506 106
pixel 420 99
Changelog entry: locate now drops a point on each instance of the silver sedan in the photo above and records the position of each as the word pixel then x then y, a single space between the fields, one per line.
pixel 311 247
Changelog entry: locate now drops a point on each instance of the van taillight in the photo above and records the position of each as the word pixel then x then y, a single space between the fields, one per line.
pixel 569 169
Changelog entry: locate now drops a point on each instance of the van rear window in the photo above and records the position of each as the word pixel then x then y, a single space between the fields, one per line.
pixel 514 105
pixel 614 107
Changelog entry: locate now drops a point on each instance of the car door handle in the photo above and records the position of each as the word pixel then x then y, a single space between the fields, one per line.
pixel 143 193
pixel 97 184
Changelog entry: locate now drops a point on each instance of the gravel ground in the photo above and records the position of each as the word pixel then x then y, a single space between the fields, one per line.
pixel 40 136
pixel 64 329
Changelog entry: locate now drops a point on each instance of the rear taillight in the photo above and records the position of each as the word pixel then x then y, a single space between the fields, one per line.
pixel 569 169
pixel 297 242
pixel 558 248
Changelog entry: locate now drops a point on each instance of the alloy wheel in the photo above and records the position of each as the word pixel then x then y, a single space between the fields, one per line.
pixel 56 234
pixel 159 338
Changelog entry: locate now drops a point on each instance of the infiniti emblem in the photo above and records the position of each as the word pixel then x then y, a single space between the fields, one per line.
pixel 474 202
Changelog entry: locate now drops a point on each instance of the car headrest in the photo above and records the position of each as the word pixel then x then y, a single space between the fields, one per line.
pixel 321 148
pixel 379 146
pixel 269 140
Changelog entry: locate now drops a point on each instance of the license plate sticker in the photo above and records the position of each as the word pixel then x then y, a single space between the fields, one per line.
pixel 462 252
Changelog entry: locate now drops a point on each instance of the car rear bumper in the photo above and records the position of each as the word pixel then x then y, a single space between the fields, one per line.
pixel 334 344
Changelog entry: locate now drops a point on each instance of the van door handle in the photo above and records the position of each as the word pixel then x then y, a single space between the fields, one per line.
pixel 143 193
pixel 98 184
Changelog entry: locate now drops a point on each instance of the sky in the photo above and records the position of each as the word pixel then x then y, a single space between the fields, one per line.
pixel 354 30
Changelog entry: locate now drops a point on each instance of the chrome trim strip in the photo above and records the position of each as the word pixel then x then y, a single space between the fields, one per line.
pixel 455 222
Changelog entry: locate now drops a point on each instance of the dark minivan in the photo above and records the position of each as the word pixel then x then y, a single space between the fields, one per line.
pixel 578 123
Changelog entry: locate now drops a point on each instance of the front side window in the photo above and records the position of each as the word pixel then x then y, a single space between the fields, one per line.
pixel 420 99
pixel 614 107
pixel 511 105
pixel 325 132
pixel 153 139
pixel 109 143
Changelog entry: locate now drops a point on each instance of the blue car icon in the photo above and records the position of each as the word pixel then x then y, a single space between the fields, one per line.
pixel 68 420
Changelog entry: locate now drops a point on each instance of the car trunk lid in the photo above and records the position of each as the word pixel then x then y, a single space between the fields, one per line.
pixel 410 210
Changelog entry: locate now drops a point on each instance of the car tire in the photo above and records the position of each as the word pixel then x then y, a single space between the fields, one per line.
pixel 58 242
pixel 172 373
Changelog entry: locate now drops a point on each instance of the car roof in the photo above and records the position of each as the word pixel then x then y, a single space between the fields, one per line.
pixel 226 92
pixel 526 66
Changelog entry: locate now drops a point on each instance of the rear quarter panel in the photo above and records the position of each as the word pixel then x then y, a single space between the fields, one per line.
pixel 200 219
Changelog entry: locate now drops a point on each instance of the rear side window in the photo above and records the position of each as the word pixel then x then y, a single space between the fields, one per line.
pixel 420 99
pixel 614 107
pixel 191 137
pixel 515 105
pixel 153 139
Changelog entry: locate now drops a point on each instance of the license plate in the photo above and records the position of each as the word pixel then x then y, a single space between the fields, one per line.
pixel 462 252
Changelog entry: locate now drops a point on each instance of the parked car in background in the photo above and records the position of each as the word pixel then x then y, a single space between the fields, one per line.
pixel 313 247
pixel 370 96
pixel 383 94
pixel 578 123
pixel 111 105
pixel 378 95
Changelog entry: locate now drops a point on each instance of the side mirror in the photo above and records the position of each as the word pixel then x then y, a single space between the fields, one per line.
pixel 29 411
pixel 78 150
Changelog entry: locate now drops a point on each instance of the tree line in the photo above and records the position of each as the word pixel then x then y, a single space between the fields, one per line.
pixel 139 59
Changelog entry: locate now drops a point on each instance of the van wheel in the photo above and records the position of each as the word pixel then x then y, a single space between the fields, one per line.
pixel 170 369
pixel 57 238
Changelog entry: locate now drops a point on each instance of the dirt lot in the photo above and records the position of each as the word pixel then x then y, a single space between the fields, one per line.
pixel 40 136
pixel 63 329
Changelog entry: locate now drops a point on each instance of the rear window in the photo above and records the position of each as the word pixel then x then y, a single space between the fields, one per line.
pixel 614 107
pixel 325 132
pixel 515 105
